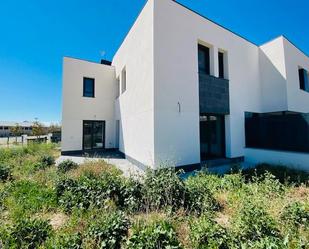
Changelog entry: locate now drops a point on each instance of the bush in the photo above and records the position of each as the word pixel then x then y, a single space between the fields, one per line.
pixel 252 223
pixel 5 173
pixel 282 173
pixel 130 195
pixel 157 234
pixel 65 241
pixel 45 161
pixel 30 233
pixel 163 188
pixel 205 233
pixel 66 166
pixel 107 231
pixel 88 191
pixel 200 198
pixel 296 214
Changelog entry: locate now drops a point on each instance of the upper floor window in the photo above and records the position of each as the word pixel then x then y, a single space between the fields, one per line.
pixel 88 87
pixel 221 64
pixel 203 59
pixel 123 80
pixel 303 79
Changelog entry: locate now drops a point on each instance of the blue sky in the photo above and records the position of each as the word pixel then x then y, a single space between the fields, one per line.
pixel 36 34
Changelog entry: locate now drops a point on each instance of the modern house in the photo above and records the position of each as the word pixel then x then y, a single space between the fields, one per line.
pixel 182 89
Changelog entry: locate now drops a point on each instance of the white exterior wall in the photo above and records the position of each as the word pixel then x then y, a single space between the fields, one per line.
pixel 77 108
pixel 286 158
pixel 176 36
pixel 273 76
pixel 298 100
pixel 134 108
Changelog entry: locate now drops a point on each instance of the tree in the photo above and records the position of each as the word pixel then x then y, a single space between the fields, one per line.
pixel 37 129
pixel 54 128
pixel 16 130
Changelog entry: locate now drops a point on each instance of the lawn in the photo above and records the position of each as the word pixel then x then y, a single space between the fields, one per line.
pixel 94 206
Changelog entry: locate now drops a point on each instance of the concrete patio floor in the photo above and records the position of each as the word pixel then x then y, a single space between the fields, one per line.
pixel 112 157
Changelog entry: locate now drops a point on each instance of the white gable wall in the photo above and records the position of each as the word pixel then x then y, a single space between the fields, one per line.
pixel 76 108
pixel 298 100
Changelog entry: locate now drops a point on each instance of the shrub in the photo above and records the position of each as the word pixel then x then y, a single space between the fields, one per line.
pixel 200 198
pixel 252 223
pixel 282 173
pixel 65 241
pixel 66 166
pixel 163 188
pixel 88 191
pixel 107 231
pixel 157 234
pixel 296 214
pixel 130 195
pixel 45 161
pixel 30 233
pixel 5 173
pixel 205 233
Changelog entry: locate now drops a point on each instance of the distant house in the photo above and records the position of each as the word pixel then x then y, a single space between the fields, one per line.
pixel 6 128
pixel 184 89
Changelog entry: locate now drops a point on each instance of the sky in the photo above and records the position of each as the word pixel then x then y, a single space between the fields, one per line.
pixel 35 35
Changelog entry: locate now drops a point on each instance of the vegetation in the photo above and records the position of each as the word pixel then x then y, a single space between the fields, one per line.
pixel 94 206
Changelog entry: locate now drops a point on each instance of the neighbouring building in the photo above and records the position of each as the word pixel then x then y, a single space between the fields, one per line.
pixel 182 89
pixel 6 128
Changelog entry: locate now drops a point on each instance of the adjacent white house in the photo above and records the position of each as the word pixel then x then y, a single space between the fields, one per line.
pixel 182 89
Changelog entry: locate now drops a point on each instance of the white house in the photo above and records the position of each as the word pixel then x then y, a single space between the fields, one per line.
pixel 182 89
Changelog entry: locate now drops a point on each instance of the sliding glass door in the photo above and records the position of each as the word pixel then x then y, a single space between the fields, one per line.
pixel 93 135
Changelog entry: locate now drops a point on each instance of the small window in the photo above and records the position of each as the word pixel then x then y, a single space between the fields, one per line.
pixel 303 79
pixel 123 80
pixel 203 59
pixel 88 88
pixel 221 64
pixel 5 128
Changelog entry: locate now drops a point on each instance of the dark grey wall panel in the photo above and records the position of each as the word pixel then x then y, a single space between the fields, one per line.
pixel 214 95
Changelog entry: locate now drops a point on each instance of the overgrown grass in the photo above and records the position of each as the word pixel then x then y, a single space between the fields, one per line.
pixel 94 206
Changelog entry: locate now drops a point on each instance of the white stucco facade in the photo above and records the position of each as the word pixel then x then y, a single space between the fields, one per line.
pixel 156 118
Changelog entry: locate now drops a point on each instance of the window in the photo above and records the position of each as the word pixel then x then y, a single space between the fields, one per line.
pixel 287 131
pixel 88 88
pixel 303 79
pixel 5 128
pixel 123 80
pixel 221 64
pixel 203 59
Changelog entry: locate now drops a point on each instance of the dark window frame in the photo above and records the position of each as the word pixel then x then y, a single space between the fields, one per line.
pixel 221 64
pixel 90 94
pixel 104 135
pixel 206 67
pixel 303 79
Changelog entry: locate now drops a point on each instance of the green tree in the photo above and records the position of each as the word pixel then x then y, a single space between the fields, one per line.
pixel 16 131
pixel 37 129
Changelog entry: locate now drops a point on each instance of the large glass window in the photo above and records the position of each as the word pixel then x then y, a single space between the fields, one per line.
pixel 93 135
pixel 203 59
pixel 88 90
pixel 288 131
